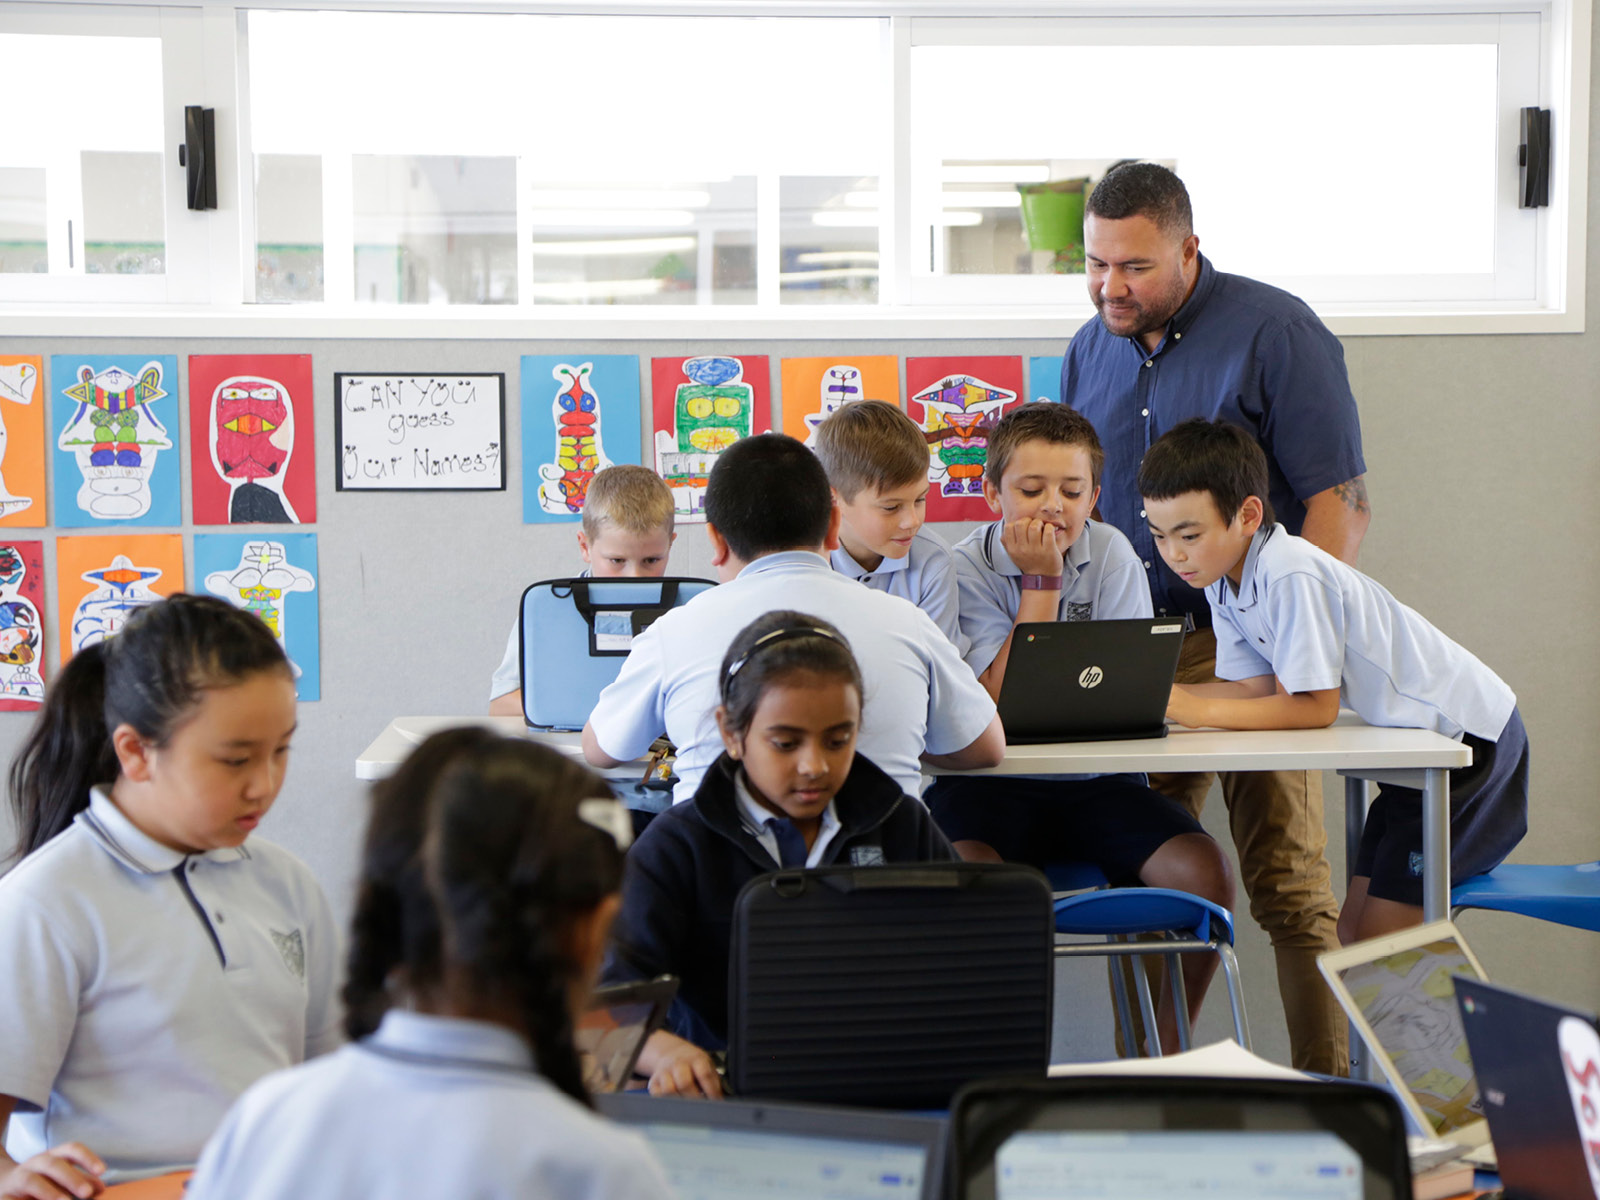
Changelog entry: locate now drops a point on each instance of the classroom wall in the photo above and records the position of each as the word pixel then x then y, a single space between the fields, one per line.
pixel 1480 454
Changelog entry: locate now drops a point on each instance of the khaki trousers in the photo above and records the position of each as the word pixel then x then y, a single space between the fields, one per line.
pixel 1276 821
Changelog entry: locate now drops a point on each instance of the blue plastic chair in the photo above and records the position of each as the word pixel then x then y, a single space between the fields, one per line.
pixel 1187 924
pixel 1565 895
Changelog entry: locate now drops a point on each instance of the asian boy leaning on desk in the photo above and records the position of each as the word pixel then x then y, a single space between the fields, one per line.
pixel 922 703
pixel 877 463
pixel 1296 630
pixel 626 534
pixel 1046 560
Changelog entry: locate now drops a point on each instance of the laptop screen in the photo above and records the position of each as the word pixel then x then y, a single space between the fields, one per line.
pixel 703 1162
pixel 1041 1165
pixel 1408 999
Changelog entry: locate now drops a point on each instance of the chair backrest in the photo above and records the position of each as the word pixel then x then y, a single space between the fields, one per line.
pixel 1163 1135
pixel 889 985
pixel 576 634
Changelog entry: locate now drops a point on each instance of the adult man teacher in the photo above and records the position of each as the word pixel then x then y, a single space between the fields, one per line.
pixel 1176 339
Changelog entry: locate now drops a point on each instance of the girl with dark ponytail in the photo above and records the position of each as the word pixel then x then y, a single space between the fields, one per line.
pixel 788 790
pixel 153 966
pixel 489 881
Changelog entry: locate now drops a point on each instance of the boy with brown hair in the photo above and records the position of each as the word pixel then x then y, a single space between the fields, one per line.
pixel 877 463
pixel 626 533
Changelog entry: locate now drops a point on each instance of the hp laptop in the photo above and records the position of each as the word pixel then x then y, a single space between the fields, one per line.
pixel 1538 1067
pixel 742 1150
pixel 1089 681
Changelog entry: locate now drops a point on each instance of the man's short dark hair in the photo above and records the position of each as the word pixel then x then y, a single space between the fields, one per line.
pixel 1215 457
pixel 769 493
pixel 1042 421
pixel 1141 189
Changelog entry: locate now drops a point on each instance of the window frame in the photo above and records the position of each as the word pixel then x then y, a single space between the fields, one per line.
pixel 210 277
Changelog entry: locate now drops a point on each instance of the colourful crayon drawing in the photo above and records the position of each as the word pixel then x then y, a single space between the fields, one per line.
pixel 578 451
pixel 960 410
pixel 710 413
pixel 17 384
pixel 21 632
pixel 120 590
pixel 252 437
pixel 839 386
pixel 261 583
pixel 115 436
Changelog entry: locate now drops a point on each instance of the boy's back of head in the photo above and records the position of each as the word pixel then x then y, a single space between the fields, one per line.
pixel 1215 457
pixel 631 498
pixel 769 493
pixel 871 444
pixel 1044 421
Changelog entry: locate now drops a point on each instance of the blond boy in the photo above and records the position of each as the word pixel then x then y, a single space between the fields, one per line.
pixel 626 534
pixel 877 463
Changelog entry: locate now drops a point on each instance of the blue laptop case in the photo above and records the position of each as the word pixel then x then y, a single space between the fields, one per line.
pixel 576 634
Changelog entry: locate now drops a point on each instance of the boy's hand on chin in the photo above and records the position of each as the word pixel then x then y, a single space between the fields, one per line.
pixel 1037 547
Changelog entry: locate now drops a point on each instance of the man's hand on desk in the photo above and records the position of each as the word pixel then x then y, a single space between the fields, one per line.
pixel 678 1068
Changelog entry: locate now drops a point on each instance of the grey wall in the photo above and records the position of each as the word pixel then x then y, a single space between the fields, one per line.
pixel 1480 466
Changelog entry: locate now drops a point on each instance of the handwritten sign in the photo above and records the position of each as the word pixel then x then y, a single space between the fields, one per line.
pixel 403 433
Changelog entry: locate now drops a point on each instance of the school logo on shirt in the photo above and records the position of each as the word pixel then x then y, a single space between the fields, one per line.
pixel 1078 610
pixel 1415 863
pixel 292 949
pixel 866 856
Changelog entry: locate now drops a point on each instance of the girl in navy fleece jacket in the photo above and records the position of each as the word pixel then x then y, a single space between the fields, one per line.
pixel 789 790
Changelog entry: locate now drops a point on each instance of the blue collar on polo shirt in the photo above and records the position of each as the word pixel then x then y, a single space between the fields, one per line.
pixel 119 837
pixel 449 1041
pixel 808 560
pixel 844 562
pixel 1249 586
pixel 1077 555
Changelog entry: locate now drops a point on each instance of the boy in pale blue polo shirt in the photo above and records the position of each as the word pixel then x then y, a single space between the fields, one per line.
pixel 1046 560
pixel 771 521
pixel 877 463
pixel 1297 631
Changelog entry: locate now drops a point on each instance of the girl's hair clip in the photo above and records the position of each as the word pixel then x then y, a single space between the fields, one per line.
pixel 609 817
pixel 787 633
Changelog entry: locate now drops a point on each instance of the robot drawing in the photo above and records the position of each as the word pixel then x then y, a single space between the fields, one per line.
pixel 119 591
pixel 20 632
pixel 960 410
pixel 115 435
pixel 578 452
pixel 252 437
pixel 840 385
pixel 711 412
pixel 16 385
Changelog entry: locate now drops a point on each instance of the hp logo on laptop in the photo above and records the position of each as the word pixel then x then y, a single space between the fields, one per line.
pixel 1091 677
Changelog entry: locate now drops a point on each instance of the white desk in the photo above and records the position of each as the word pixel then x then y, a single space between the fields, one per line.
pixel 1412 757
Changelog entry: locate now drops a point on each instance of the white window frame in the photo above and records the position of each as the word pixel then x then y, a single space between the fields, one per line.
pixel 210 266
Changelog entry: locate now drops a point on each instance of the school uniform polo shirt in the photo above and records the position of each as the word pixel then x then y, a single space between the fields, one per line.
pixel 1315 623
pixel 428 1106
pixel 919 694
pixel 1238 350
pixel 1101 580
pixel 926 576
pixel 144 989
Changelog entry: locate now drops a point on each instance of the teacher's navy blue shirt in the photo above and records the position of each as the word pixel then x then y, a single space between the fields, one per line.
pixel 1238 350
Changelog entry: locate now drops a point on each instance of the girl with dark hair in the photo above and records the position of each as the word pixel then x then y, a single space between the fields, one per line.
pixel 488 885
pixel 152 964
pixel 788 790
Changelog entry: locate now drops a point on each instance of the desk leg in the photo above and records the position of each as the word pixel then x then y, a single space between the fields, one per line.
pixel 1435 844
pixel 1355 820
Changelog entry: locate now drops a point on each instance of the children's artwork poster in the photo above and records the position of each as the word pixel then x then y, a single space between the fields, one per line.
pixel 815 388
pixel 21 626
pixel 22 424
pixel 957 401
pixel 580 415
pixel 252 433
pixel 274 576
pixel 1044 378
pixel 116 423
pixel 101 581
pixel 420 433
pixel 701 406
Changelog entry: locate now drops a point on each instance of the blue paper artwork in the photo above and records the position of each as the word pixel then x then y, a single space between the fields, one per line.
pixel 1044 378
pixel 275 577
pixel 580 415
pixel 115 421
